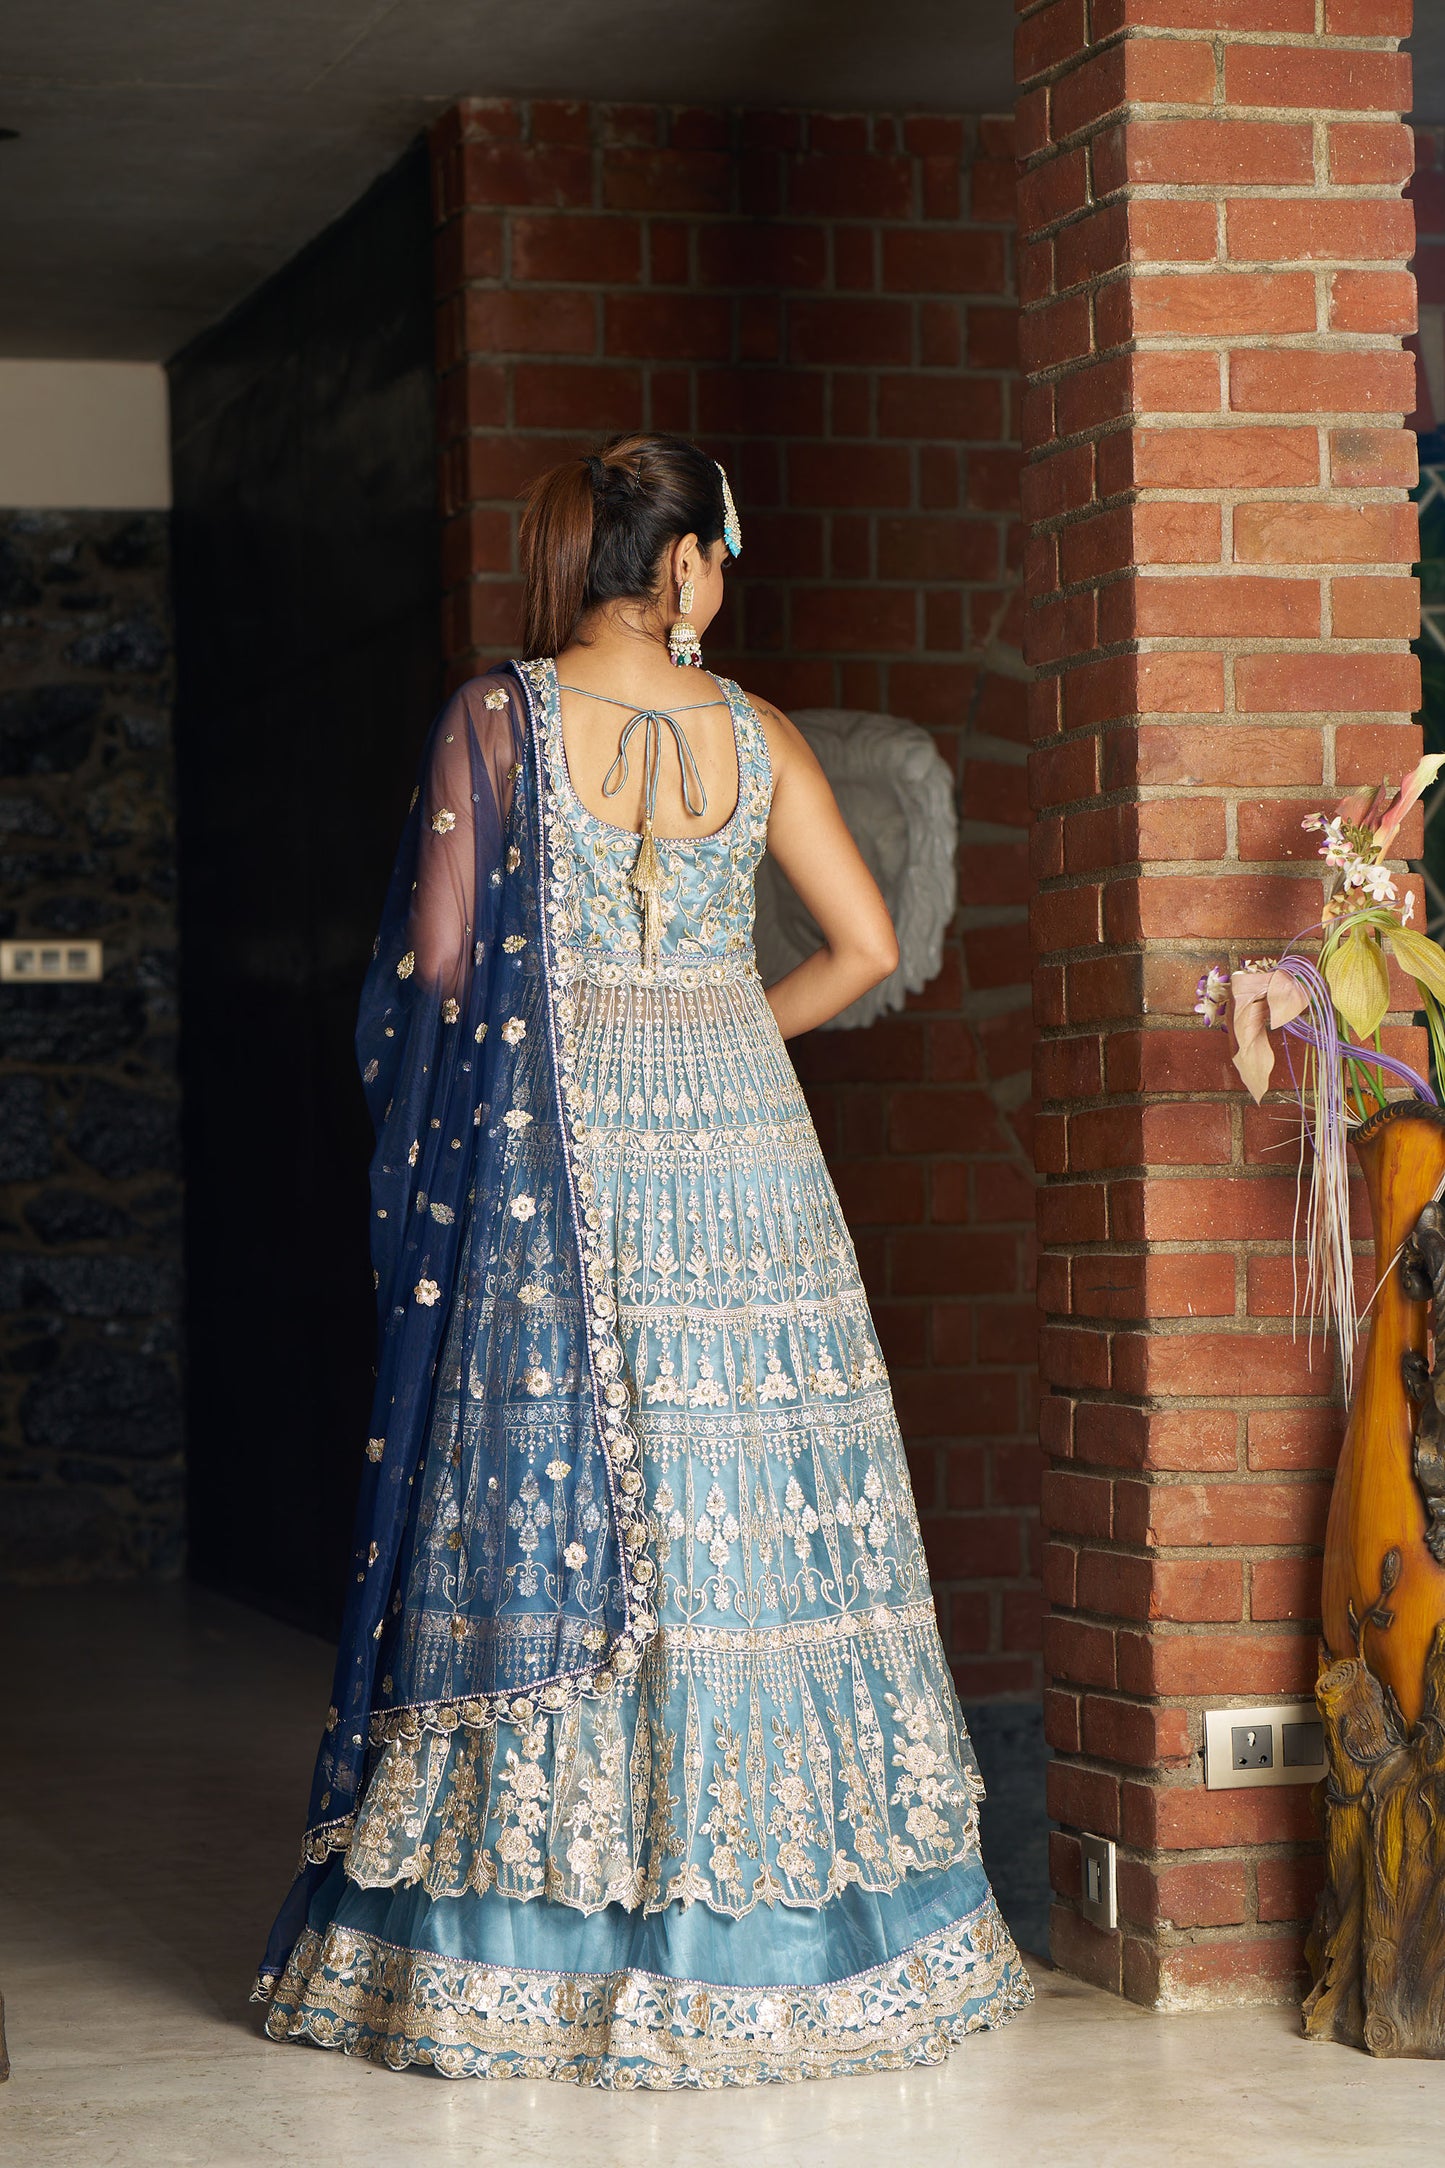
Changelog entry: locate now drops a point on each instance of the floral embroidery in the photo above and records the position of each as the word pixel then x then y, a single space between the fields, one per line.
pixel 514 1031
pixel 525 1790
pixel 495 697
pixel 827 1380
pixel 929 1786
pixel 444 820
pixel 427 1292
pixel 633 2029
pixel 777 1385
pixel 666 1388
pixel 407 965
pixel 727 1824
pixel 870 1517
pixel 792 1752
pixel 717 1527
pixel 451 1010
pixel 523 1207
pixel 708 1391
pixel 529 1514
pixel 793 1819
pixel 799 1521
pixel 386 1812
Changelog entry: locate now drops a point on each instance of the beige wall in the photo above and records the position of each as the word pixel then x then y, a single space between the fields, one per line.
pixel 84 434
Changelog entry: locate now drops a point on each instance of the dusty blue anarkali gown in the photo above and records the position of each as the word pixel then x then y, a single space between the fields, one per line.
pixel 664 1779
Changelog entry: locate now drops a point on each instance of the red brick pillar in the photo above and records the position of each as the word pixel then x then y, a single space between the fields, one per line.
pixel 1212 265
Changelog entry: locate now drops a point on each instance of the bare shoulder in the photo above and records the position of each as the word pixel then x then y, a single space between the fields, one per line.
pixel 787 747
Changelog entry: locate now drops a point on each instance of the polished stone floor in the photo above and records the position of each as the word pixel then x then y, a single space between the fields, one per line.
pixel 156 1747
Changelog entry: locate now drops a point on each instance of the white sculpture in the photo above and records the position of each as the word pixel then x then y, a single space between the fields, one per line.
pixel 896 794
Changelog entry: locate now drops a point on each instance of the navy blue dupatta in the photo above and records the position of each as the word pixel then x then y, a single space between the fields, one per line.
pixel 500 1565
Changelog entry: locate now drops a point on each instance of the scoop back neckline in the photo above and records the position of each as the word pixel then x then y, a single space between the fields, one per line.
pixel 598 820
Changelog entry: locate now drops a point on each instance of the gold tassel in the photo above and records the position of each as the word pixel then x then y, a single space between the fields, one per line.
pixel 647 880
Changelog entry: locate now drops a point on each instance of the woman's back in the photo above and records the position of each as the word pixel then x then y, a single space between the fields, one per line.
pixel 705 863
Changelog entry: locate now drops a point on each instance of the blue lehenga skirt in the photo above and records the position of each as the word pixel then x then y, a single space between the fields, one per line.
pixel 485 1986
pixel 757 1861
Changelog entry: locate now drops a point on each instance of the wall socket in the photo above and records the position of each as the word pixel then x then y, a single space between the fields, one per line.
pixel 1099 1903
pixel 48 962
pixel 1282 1744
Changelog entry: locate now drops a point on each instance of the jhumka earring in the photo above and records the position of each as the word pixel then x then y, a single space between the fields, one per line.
pixel 683 644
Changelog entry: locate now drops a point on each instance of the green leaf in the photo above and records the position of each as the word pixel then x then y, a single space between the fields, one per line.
pixel 1423 958
pixel 1359 983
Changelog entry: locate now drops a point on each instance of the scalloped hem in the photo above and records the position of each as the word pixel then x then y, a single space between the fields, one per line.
pixel 636 2030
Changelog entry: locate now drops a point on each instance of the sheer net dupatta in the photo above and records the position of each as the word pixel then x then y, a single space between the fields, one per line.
pixel 500 1565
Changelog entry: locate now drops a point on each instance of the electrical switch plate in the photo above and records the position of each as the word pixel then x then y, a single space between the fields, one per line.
pixel 1283 1744
pixel 1099 1903
pixel 49 961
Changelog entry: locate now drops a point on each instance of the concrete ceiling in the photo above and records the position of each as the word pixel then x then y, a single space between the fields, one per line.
pixel 171 154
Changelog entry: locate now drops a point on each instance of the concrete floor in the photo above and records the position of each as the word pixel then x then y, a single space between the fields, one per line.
pixel 156 1750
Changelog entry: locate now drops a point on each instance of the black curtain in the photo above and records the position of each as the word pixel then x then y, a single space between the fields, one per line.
pixel 308 661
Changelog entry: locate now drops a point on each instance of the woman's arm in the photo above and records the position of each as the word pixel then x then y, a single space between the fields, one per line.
pixel 808 838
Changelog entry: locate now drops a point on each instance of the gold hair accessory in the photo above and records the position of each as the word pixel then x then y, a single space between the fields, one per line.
pixel 732 526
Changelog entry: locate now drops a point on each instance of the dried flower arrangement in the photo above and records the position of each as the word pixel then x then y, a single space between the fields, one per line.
pixel 1328 1008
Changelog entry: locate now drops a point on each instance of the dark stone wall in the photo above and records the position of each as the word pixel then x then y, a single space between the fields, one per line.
pixel 307 611
pixel 90 1192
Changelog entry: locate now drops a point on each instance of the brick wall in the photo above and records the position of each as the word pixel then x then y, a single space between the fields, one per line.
pixel 1427 193
pixel 91 1477
pixel 827 302
pixel 1213 267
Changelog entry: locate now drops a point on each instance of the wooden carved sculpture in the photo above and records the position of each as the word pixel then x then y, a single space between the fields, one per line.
pixel 1422 1275
pixel 1377 1948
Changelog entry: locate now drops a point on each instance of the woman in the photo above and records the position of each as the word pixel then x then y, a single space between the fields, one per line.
pixel 644 1765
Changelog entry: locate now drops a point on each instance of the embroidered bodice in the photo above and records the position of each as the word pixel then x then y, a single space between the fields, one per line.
pixel 706 890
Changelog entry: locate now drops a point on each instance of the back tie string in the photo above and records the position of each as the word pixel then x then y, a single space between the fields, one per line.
pixel 646 877
pixel 694 795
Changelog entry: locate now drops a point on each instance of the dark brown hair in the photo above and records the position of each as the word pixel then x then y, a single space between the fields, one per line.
pixel 595 528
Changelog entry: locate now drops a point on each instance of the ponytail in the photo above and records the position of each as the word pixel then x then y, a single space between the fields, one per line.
pixel 556 550
pixel 594 530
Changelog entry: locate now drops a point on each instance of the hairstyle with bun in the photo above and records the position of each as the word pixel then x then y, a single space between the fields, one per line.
pixel 595 528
